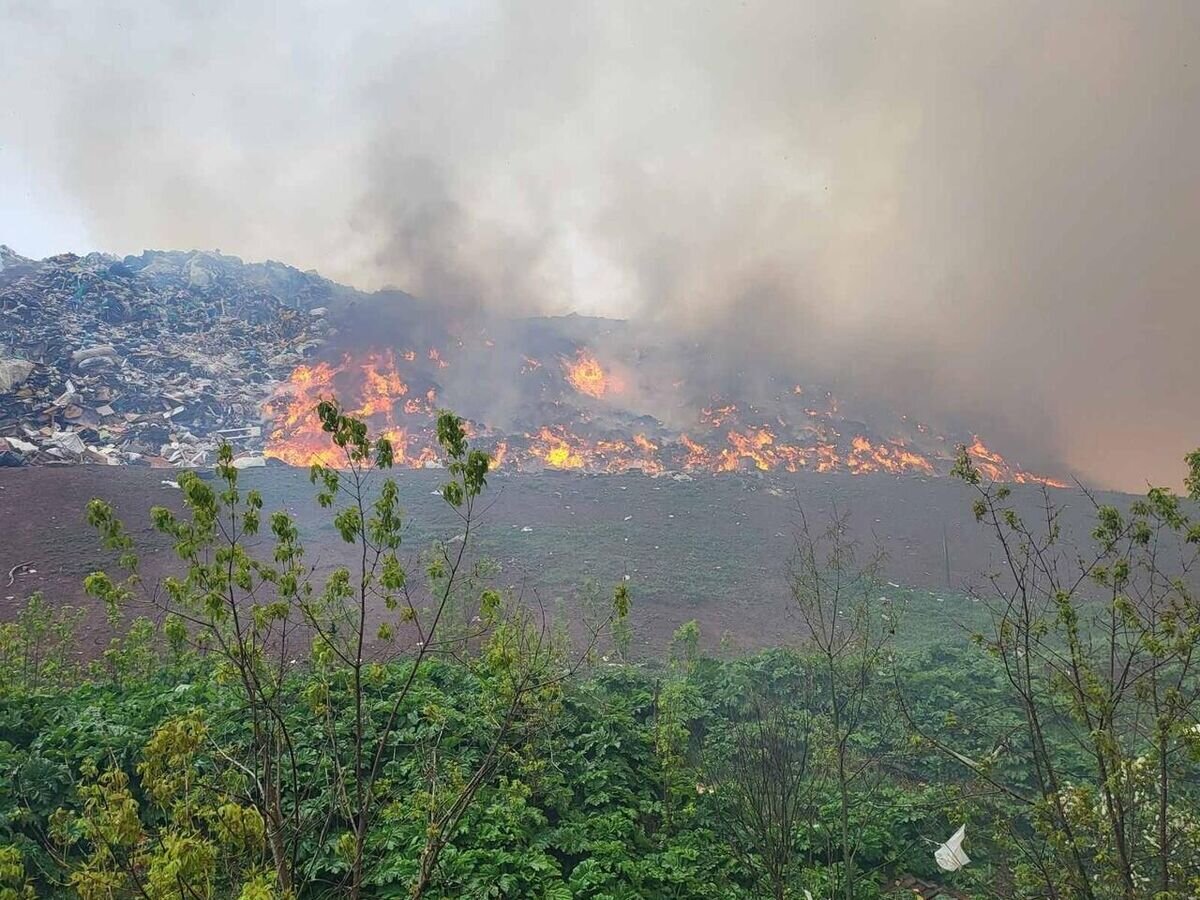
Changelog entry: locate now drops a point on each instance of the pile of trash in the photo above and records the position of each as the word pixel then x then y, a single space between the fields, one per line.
pixel 152 359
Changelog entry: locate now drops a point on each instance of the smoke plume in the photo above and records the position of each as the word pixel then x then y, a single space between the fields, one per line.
pixel 987 208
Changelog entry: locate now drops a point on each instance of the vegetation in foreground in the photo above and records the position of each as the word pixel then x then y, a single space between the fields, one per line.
pixel 258 733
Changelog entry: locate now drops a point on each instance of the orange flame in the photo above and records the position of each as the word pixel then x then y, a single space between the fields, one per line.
pixel 994 467
pixel 498 453
pixel 381 385
pixel 377 395
pixel 297 438
pixel 587 376
pixel 555 451
pixel 893 457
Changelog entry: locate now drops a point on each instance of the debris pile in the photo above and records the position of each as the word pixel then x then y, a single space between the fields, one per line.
pixel 156 359
pixel 151 359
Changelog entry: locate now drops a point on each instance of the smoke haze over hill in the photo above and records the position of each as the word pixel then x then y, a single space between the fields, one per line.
pixel 986 207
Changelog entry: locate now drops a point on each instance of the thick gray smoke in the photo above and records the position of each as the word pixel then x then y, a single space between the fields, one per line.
pixel 982 208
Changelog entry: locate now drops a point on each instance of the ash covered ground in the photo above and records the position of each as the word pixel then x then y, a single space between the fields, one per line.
pixel 713 549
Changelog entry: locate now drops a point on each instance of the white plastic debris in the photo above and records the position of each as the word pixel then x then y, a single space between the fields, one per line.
pixel 68 441
pixel 950 856
pixel 13 373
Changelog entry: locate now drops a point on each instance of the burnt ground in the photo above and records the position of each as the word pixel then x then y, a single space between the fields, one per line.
pixel 714 549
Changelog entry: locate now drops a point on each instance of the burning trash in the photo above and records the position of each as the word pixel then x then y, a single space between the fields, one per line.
pixel 157 359
pixel 587 376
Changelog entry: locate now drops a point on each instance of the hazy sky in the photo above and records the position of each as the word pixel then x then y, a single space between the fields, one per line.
pixel 981 207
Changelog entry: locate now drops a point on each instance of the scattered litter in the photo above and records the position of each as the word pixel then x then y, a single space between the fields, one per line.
pixel 19 569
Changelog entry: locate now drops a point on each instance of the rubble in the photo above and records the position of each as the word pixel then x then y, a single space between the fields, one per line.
pixel 151 359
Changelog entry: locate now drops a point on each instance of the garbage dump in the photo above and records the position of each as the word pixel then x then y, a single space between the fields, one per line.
pixel 152 359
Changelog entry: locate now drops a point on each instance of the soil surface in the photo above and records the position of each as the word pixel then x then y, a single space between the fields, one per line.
pixel 714 549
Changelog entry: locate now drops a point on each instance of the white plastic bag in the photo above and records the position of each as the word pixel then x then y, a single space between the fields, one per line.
pixel 950 856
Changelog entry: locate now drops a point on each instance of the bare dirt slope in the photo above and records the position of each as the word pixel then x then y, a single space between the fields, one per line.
pixel 713 549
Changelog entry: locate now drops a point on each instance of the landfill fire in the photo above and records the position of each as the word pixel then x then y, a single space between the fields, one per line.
pixel 189 350
pixel 786 435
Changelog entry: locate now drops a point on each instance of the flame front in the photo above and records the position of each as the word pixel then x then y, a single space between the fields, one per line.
pixel 397 392
pixel 377 394
pixel 994 467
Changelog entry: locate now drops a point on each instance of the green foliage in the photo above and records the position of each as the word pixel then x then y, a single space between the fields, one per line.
pixel 613 794
pixel 458 756
pixel 1098 650
pixel 37 648
pixel 296 754
pixel 14 885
